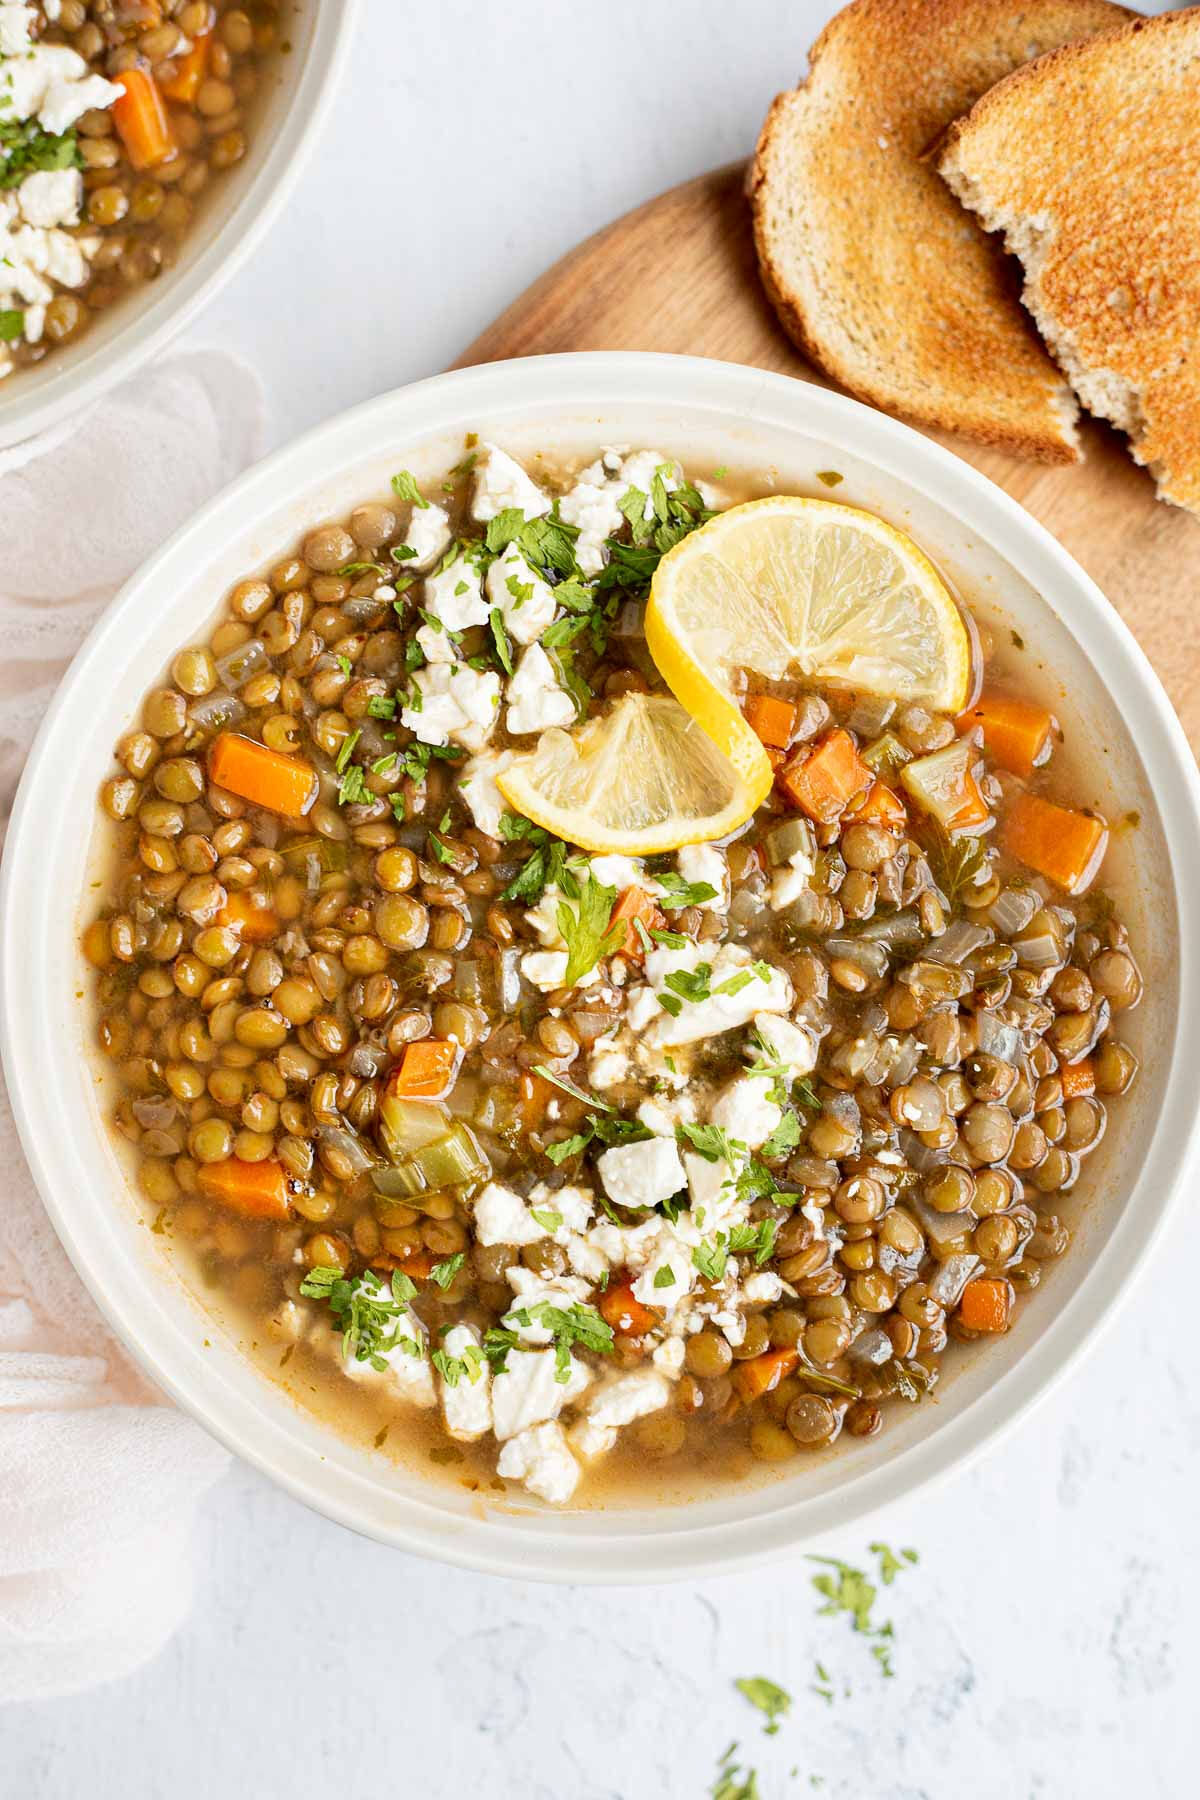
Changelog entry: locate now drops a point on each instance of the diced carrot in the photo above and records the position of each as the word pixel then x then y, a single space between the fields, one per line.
pixel 771 719
pixel 986 1303
pixel 427 1069
pixel 267 778
pixel 1067 846
pixel 1016 734
pixel 1078 1079
pixel 883 806
pixel 536 1094
pixel 254 924
pixel 258 1189
pixel 418 1264
pixel 760 1374
pixel 635 903
pixel 823 781
pixel 624 1313
pixel 141 120
pixel 190 71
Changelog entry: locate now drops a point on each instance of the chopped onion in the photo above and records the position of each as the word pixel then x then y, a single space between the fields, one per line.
pixel 154 1112
pixel 870 957
pixel 747 906
pixel 947 1285
pixel 870 714
pixel 510 980
pixel 901 931
pixel 466 983
pixel 941 1228
pixel 368 1060
pixel 1011 911
pixel 997 1038
pixel 350 1145
pixel 1041 952
pixel 216 712
pixel 363 607
pixel 906 1059
pixel 630 622
pixel 589 1026
pixel 957 942
pixel 238 665
pixel 872 1346
pixel 922 1158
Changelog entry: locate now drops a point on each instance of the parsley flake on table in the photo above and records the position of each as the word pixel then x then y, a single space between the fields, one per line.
pixel 768 1697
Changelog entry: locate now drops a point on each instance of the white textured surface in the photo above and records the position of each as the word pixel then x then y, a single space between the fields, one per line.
pixel 1046 1647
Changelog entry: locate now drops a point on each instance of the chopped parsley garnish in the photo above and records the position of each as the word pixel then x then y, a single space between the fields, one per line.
pixel 785 1137
pixel 439 849
pixel 444 1272
pixel 769 1698
pixel 370 1315
pixel 664 1277
pixel 955 863
pixel 547 1218
pixel 711 1142
pixel 405 485
pixel 567 1325
pixel 500 639
pixel 712 1258
pixel 12 324
pixel 452 1369
pixel 587 930
pixel 521 591
pixel 25 146
pixel 543 868
pixel 676 892
pixel 670 940
pixel 353 789
pixel 381 706
pixel 547 544
pixel 568 1087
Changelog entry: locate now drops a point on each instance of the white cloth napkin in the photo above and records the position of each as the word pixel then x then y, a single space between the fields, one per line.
pixel 100 1477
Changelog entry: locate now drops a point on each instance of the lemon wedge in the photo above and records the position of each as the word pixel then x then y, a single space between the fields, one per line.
pixel 809 589
pixel 642 778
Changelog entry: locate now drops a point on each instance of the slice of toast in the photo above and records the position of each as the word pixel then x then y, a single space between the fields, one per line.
pixel 1089 162
pixel 874 269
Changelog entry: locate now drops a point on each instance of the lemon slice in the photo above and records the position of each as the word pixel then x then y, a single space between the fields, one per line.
pixel 809 589
pixel 644 777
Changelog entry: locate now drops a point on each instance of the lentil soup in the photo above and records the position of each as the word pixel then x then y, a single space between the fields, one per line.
pixel 583 1174
pixel 117 119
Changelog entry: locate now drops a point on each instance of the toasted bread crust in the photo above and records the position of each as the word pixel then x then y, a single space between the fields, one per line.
pixel 1089 161
pixel 873 269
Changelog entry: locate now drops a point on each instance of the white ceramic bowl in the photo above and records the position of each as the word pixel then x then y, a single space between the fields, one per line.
pixel 289 114
pixel 709 414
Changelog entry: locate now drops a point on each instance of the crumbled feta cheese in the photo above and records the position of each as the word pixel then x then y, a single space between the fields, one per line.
pixel 574 1206
pixel 704 862
pixel 623 1398
pixel 789 881
pixel 642 1174
pixel 746 1111
pixel 639 471
pixel 455 702
pixel 526 602
pixel 502 1217
pixel 477 786
pixel 622 872
pixel 547 970
pixel 467 1405
pixel 52 83
pixel 455 596
pixel 541 1459
pixel 794 1048
pixel 428 533
pixel 668 1356
pixel 762 1288
pixel 543 918
pixel 667 1273
pixel 526 1392
pixel 15 22
pixel 589 1440
pixel 700 1019
pixel 49 197
pixel 531 1290
pixel 408 1369
pixel 501 482
pixel 535 700
pixel 608 1065
pixel 592 507
pixel 712 1187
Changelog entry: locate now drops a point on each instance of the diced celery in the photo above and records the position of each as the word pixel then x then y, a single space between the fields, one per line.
pixel 331 855
pixel 406 1126
pixel 453 1160
pixel 397 1182
pixel 794 838
pixel 885 756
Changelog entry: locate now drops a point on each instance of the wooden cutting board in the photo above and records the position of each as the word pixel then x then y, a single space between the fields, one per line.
pixel 679 275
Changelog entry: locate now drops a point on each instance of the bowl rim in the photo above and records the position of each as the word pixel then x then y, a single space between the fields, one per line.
pixel 601 1552
pixel 86 377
